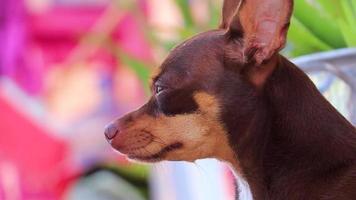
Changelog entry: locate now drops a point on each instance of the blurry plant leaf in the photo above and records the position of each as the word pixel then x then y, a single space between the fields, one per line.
pixel 348 24
pixel 187 32
pixel 349 12
pixel 317 20
pixel 349 33
pixel 215 14
pixel 135 171
pixel 353 2
pixel 303 41
pixel 332 7
pixel 169 45
pixel 140 68
pixel 137 175
pixel 185 10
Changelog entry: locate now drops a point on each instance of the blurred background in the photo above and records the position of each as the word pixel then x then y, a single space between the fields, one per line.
pixel 69 67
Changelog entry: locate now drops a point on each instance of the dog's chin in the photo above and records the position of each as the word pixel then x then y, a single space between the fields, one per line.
pixel 143 159
pixel 156 157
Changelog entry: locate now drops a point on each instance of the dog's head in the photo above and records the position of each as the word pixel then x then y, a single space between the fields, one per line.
pixel 207 90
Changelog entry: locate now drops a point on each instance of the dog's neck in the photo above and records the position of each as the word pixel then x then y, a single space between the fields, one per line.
pixel 292 136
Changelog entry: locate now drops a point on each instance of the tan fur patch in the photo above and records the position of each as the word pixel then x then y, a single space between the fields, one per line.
pixel 201 133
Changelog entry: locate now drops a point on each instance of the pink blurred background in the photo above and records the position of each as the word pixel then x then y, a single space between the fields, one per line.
pixel 67 68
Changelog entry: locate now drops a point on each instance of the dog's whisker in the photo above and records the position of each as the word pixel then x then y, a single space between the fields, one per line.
pixel 160 143
pixel 201 170
pixel 160 139
pixel 147 151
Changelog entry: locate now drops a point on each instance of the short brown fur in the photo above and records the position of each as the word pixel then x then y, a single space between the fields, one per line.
pixel 228 94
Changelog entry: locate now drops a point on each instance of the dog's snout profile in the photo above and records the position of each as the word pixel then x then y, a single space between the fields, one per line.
pixel 111 131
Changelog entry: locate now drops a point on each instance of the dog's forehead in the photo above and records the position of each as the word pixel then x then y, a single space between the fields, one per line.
pixel 192 58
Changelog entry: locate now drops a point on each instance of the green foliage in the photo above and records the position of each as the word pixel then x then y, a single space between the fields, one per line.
pixel 186 13
pixel 303 40
pixel 137 175
pixel 319 25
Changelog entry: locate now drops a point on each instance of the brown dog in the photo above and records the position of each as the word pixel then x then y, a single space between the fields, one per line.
pixel 228 94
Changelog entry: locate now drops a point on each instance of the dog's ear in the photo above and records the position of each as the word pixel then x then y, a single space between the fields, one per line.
pixel 260 26
pixel 229 9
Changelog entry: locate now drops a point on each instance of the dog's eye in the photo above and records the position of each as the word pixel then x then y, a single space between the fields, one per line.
pixel 159 89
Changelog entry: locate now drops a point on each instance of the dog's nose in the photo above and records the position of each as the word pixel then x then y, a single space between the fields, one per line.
pixel 111 131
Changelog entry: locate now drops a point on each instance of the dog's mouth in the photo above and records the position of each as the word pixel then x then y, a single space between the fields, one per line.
pixel 157 156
